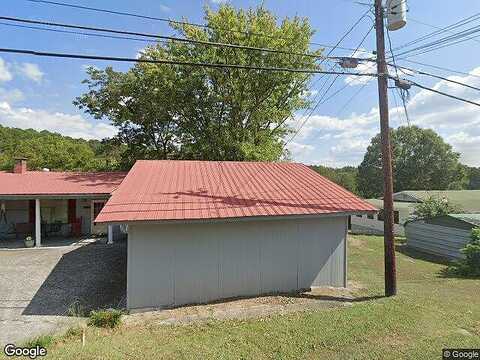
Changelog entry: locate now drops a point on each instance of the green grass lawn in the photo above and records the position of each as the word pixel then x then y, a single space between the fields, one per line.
pixel 430 312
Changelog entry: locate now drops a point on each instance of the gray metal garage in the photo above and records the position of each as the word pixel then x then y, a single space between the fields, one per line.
pixel 443 235
pixel 202 231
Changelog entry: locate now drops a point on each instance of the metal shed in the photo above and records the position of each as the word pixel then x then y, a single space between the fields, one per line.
pixel 442 236
pixel 200 231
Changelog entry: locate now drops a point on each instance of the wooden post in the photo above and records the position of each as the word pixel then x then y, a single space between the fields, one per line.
pixel 38 224
pixel 389 240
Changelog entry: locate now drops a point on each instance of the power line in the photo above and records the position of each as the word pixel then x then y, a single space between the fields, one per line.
pixel 153 36
pixel 433 26
pixel 178 22
pixel 321 100
pixel 443 93
pixel 349 101
pixel 439 67
pixel 443 42
pixel 448 28
pixel 176 62
pixel 349 30
pixel 402 93
pixel 81 33
pixel 439 77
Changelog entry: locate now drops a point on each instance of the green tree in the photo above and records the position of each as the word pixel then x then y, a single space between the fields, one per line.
pixel 165 111
pixel 421 161
pixel 473 178
pixel 345 176
pixel 45 149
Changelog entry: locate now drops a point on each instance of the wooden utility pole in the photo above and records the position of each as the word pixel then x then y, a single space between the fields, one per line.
pixel 389 240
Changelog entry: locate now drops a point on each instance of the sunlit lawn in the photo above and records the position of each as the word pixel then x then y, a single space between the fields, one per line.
pixel 429 313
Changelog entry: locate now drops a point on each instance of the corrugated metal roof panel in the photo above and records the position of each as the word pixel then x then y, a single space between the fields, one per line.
pixel 58 183
pixel 188 190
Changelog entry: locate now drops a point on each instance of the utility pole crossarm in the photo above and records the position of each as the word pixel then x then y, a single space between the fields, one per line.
pixel 382 71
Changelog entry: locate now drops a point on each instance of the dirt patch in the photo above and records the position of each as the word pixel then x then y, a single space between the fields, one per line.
pixel 356 242
pixel 317 298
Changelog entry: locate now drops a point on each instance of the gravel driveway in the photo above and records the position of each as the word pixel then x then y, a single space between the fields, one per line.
pixel 39 286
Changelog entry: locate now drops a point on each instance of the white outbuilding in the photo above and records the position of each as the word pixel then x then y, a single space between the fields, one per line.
pixel 200 231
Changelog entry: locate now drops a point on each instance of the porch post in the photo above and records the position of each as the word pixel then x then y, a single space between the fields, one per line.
pixel 110 234
pixel 38 224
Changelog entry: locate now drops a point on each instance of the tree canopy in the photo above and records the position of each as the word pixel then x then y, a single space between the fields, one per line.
pixel 45 149
pixel 345 176
pixel 421 159
pixel 190 112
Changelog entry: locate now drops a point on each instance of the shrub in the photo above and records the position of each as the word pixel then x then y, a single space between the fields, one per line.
pixel 434 206
pixel 76 309
pixel 470 265
pixel 42 341
pixel 73 332
pixel 105 318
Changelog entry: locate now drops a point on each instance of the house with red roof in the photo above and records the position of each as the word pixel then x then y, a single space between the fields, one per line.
pixel 45 204
pixel 198 231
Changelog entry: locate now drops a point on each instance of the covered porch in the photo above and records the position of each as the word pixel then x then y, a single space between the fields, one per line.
pixel 51 221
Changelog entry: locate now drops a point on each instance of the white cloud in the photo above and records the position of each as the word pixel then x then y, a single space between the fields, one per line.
pixel 219 1
pixel 31 71
pixel 343 141
pixel 5 74
pixel 165 8
pixel 66 124
pixel 11 96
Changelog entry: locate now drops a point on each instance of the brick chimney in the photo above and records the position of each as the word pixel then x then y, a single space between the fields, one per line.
pixel 20 166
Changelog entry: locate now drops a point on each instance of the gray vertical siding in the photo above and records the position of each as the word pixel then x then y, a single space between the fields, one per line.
pixel 175 264
pixel 437 240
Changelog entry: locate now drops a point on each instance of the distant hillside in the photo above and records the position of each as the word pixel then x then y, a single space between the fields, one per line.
pixel 346 176
pixel 45 149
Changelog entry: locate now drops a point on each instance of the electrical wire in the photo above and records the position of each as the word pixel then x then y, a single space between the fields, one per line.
pixel 153 36
pixel 402 93
pixel 448 28
pixel 443 93
pixel 443 42
pixel 178 22
pixel 322 100
pixel 438 77
pixel 176 62
pixel 349 30
pixel 433 26
pixel 82 33
pixel 439 67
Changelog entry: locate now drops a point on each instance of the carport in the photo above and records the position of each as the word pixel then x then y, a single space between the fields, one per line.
pixel 45 204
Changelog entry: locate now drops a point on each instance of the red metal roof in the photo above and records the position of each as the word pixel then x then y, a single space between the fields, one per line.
pixel 58 183
pixel 188 190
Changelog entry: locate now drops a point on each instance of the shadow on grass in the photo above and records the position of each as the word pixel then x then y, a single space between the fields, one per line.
pixel 420 255
pixel 454 272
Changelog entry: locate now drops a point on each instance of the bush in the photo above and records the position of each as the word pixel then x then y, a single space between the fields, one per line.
pixel 42 341
pixel 434 206
pixel 76 309
pixel 470 265
pixel 105 318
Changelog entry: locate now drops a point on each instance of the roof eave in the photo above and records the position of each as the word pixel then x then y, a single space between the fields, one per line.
pixel 239 219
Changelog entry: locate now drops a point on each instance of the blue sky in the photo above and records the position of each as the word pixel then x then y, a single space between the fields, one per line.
pixel 38 92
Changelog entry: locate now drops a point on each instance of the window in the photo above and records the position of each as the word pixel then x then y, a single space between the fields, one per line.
pixel 381 215
pixel 370 216
pixel 396 217
pixel 358 216
pixel 97 207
